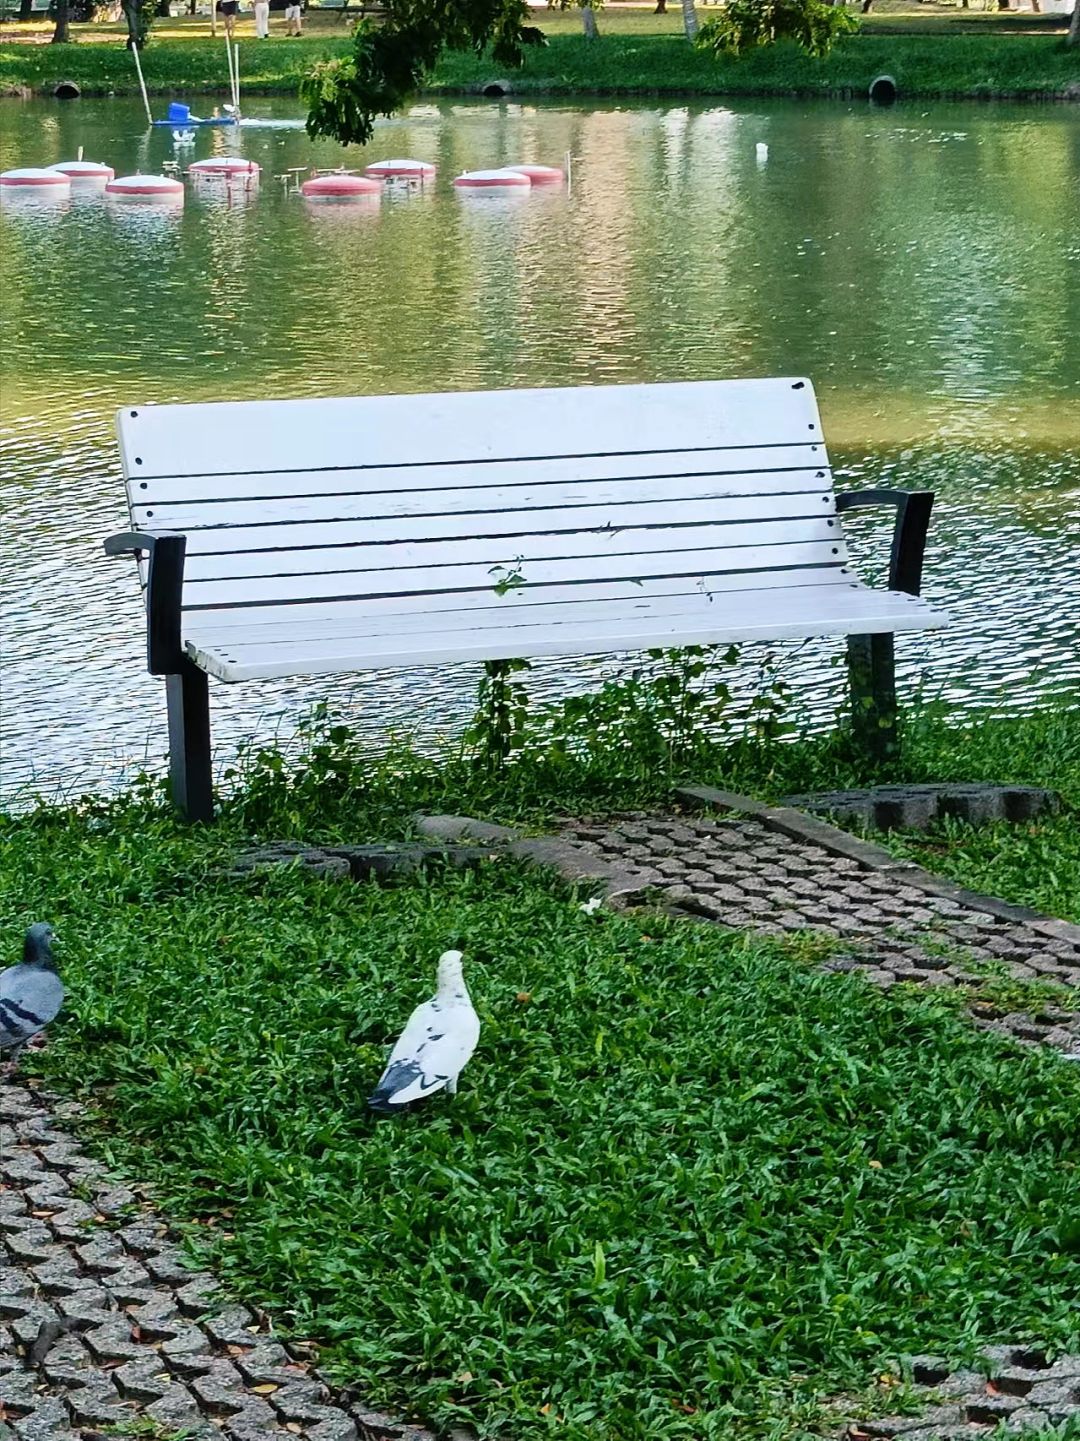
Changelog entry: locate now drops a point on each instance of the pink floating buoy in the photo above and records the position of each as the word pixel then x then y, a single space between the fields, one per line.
pixel 46 183
pixel 492 180
pixel 541 174
pixel 85 172
pixel 339 187
pixel 146 189
pixel 400 170
pixel 224 166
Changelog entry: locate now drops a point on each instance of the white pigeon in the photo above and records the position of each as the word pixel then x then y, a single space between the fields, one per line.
pixel 435 1045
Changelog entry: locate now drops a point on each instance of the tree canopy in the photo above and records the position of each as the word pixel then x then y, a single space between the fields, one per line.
pixel 388 61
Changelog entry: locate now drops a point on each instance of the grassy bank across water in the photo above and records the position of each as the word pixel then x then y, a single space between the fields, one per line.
pixel 624 62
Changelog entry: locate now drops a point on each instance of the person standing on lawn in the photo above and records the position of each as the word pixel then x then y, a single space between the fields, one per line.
pixel 262 19
pixel 293 12
pixel 228 9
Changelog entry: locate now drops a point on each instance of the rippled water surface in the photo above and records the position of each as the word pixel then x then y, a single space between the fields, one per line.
pixel 921 264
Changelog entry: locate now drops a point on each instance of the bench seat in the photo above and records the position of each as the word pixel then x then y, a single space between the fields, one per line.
pixel 358 638
pixel 307 537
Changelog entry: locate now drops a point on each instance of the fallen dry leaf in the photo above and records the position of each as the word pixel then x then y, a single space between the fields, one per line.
pixel 523 997
pixel 266 1389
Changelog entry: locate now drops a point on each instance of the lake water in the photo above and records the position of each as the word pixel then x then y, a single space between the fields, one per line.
pixel 921 264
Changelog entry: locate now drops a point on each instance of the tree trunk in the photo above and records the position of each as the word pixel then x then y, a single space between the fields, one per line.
pixel 689 19
pixel 661 7
pixel 60 34
pixel 1073 37
pixel 26 9
pixel 163 10
pixel 588 21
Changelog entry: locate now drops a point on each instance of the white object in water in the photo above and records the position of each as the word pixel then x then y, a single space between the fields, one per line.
pixel 146 189
pixel 338 187
pixel 492 180
pixel 400 170
pixel 85 172
pixel 48 184
pixel 435 1045
pixel 761 150
pixel 541 174
pixel 223 166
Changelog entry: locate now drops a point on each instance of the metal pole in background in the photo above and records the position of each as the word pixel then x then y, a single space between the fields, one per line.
pixel 142 85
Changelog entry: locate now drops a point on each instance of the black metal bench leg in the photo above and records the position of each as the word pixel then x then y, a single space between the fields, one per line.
pixel 872 678
pixel 188 694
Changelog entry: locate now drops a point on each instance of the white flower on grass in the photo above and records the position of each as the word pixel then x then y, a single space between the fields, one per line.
pixel 591 905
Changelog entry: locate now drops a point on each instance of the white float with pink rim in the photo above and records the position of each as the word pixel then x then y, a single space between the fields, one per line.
pixel 541 174
pixel 400 170
pixel 340 187
pixel 47 184
pixel 224 167
pixel 492 180
pixel 146 190
pixel 85 172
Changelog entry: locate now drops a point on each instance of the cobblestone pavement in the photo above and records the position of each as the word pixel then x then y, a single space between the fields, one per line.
pixel 101 1324
pixel 735 870
pixel 1019 1390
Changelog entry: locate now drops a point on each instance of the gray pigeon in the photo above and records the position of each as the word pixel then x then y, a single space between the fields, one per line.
pixel 31 993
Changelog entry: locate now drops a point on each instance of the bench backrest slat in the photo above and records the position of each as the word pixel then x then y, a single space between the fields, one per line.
pixel 730 470
pixel 475 427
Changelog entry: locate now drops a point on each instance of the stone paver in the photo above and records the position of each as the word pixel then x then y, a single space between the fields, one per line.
pixel 102 1323
pixel 736 871
pixel 1016 1388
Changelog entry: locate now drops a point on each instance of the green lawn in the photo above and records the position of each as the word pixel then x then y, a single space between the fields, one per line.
pixel 637 53
pixel 691 1187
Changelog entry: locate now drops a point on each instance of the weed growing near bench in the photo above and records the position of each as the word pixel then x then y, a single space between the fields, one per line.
pixel 685 1172
pixel 626 752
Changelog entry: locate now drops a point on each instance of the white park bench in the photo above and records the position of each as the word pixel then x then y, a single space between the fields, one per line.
pixel 307 537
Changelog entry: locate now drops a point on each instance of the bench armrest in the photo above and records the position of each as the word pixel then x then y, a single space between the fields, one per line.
pixel 909 533
pixel 164 594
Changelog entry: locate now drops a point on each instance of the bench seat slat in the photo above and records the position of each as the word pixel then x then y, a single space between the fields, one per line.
pixel 479 426
pixel 441 489
pixel 448 512
pixel 413 580
pixel 514 551
pixel 304 618
pixel 366 618
pixel 829 611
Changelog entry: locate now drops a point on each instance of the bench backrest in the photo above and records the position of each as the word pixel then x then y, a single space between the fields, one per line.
pixel 434 500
